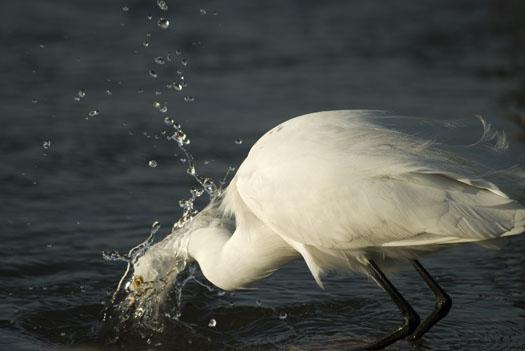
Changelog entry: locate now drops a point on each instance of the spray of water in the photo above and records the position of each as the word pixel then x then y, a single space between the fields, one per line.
pixel 150 289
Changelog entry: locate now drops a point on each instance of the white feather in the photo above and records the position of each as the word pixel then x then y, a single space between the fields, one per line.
pixel 341 187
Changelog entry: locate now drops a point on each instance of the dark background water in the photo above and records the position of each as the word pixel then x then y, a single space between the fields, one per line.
pixel 251 65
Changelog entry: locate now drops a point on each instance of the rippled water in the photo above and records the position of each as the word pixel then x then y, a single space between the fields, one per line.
pixel 85 166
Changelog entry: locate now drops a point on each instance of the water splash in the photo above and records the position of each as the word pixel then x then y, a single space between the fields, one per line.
pixel 150 290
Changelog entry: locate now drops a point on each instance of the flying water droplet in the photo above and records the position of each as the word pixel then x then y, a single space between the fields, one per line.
pixel 180 137
pixel 34 101
pixel 212 323
pixel 162 5
pixel 238 141
pixel 163 109
pixel 81 93
pixel 46 144
pixel 189 99
pixel 94 113
pixel 168 121
pixel 125 8
pixel 152 74
pixel 203 12
pixel 196 192
pixel 108 92
pixel 177 86
pixel 152 163
pixel 184 61
pixel 156 104
pixel 283 315
pixel 145 43
pixel 163 23
pixel 160 60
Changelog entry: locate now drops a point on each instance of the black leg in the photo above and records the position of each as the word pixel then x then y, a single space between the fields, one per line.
pixel 411 319
pixel 443 303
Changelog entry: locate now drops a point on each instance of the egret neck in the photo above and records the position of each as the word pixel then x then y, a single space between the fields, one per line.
pixel 234 260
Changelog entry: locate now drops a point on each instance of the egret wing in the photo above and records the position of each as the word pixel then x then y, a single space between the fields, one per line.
pixel 339 182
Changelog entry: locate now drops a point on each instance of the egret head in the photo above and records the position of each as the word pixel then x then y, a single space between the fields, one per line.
pixel 156 271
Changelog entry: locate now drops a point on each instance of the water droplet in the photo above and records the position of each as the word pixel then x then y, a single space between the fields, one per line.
pixel 46 144
pixel 156 104
pixel 162 5
pixel 215 13
pixel 108 92
pixel 238 141
pixel 150 17
pixel 212 323
pixel 152 74
pixel 258 302
pixel 177 86
pixel 189 98
pixel 197 192
pixel 178 52
pixel 62 334
pixel 152 163
pixel 81 93
pixel 42 46
pixel 203 12
pixel 169 57
pixel 76 98
pixel 191 170
pixel 125 8
pixel 93 113
pixel 163 23
pixel 184 61
pixel 180 137
pixel 157 92
pixel 183 160
pixel 163 109
pixel 145 43
pixel 209 186
pixel 168 121
pixel 283 315
pixel 159 60
pixel 49 246
pixel 34 101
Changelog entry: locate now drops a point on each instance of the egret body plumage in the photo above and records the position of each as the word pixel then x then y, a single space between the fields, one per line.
pixel 349 191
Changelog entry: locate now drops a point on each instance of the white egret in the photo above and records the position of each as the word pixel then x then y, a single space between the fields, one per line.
pixel 348 191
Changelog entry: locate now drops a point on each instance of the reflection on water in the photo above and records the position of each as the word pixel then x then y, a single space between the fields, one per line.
pixel 81 128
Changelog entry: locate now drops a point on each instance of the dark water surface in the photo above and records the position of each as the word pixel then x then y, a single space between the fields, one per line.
pixel 250 66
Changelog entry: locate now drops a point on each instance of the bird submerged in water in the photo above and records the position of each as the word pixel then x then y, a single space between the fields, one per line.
pixel 351 191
